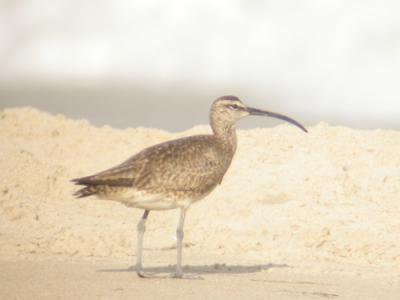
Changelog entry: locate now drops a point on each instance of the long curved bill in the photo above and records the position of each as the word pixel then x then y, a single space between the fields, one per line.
pixel 259 112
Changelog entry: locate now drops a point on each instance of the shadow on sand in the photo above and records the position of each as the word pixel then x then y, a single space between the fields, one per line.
pixel 206 269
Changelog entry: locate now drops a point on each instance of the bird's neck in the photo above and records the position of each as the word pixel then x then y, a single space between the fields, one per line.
pixel 225 134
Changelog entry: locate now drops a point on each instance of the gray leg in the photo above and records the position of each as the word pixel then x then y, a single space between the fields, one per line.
pixel 179 239
pixel 139 245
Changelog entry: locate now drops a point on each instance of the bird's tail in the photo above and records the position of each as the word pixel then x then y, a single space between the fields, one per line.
pixel 85 192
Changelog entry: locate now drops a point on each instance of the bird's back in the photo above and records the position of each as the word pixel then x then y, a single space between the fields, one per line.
pixel 186 167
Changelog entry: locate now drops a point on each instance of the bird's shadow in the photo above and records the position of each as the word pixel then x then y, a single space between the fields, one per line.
pixel 206 269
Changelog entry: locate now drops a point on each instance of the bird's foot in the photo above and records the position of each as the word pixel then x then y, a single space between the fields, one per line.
pixel 180 275
pixel 143 274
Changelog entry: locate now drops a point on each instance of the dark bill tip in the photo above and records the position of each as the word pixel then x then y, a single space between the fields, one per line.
pixel 259 112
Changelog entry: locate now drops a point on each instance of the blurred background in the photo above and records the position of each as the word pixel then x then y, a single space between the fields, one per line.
pixel 160 63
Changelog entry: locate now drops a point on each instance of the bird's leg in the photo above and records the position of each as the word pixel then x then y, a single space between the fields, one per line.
pixel 141 227
pixel 179 238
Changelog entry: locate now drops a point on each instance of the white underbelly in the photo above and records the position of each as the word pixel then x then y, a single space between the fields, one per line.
pixel 150 201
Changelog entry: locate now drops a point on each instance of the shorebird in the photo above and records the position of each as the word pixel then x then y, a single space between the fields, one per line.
pixel 176 173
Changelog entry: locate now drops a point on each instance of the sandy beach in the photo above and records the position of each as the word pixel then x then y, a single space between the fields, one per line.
pixel 297 216
pixel 112 279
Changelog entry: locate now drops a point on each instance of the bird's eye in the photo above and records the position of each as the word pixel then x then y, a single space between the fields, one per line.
pixel 234 106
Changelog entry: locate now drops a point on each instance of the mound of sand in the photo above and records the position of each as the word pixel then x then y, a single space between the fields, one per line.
pixel 331 196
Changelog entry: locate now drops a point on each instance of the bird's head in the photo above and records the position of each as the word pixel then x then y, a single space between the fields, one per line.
pixel 229 109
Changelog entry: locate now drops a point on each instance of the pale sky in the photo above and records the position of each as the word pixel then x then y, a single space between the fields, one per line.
pixel 335 61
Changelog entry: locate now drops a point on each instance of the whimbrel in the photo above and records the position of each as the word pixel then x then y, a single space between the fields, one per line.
pixel 176 173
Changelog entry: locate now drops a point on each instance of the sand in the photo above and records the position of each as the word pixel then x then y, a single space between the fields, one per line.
pixel 321 207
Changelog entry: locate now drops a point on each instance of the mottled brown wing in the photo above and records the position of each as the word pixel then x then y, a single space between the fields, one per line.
pixel 116 176
pixel 187 164
pixel 122 175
